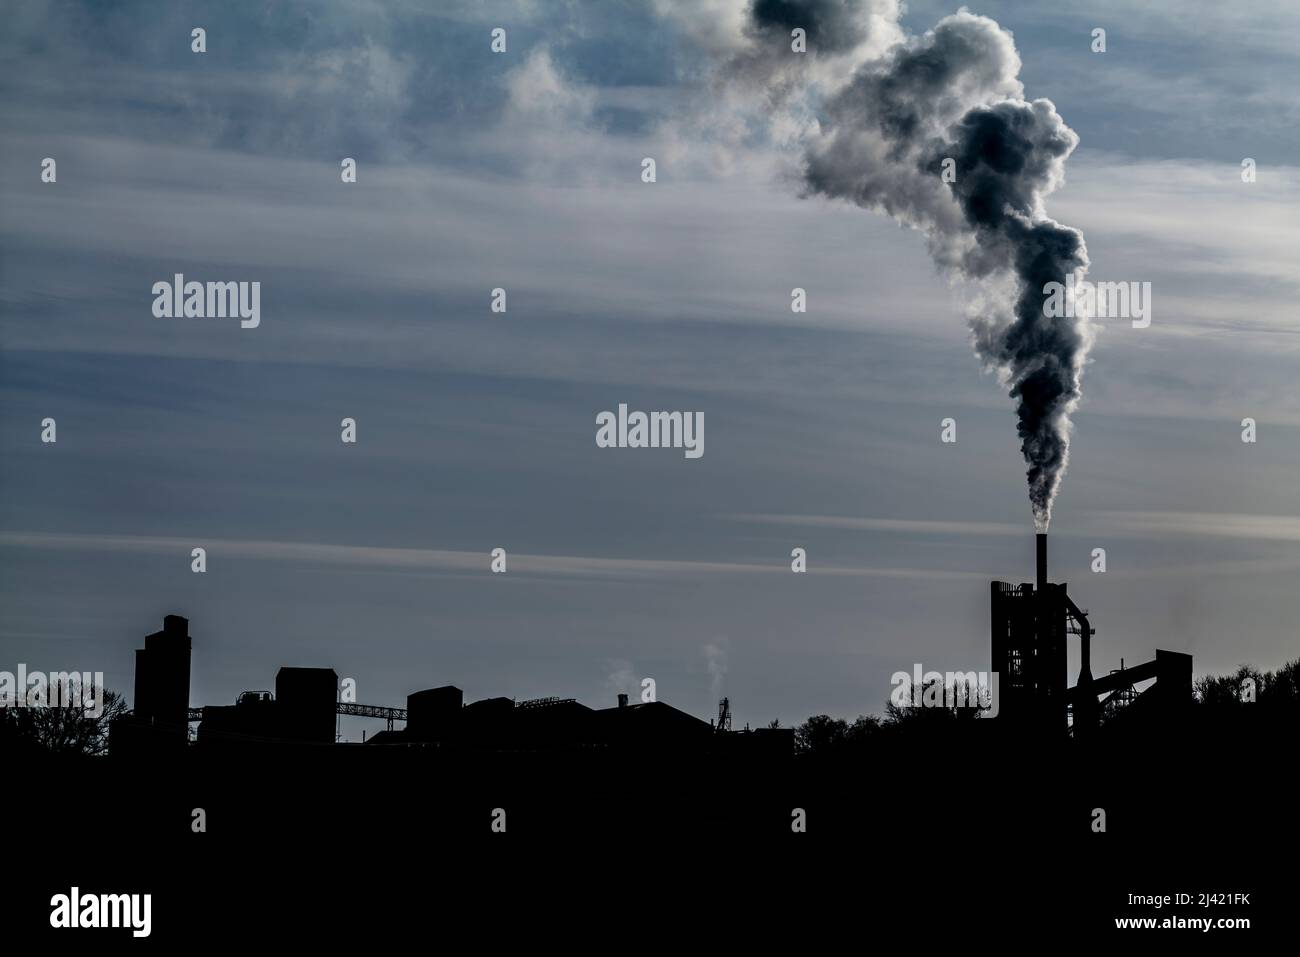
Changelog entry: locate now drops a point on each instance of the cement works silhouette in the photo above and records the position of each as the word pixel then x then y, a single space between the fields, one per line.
pixel 305 704
pixel 1030 627
pixel 1185 788
pixel 1031 624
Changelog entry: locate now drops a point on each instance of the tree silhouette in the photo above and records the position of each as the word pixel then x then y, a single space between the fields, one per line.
pixel 1274 690
pixel 66 730
pixel 822 734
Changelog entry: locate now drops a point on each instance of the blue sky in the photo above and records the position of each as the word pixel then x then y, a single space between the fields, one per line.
pixel 476 430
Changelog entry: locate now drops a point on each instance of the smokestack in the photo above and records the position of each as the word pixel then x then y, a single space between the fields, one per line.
pixel 622 701
pixel 1042 559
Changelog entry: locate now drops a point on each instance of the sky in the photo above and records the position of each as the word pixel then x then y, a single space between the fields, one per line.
pixel 476 430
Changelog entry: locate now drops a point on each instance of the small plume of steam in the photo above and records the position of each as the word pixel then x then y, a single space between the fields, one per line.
pixel 881 142
pixel 621 679
pixel 715 660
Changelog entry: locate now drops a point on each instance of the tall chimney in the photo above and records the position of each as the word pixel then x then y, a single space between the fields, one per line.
pixel 1042 559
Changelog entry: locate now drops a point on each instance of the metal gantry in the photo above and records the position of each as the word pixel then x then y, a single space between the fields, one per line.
pixel 354 710
pixel 372 711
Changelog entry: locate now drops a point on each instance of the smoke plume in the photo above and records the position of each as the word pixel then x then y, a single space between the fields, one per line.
pixel 715 660
pixel 951 102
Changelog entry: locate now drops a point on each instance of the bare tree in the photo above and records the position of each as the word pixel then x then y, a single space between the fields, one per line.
pixel 67 730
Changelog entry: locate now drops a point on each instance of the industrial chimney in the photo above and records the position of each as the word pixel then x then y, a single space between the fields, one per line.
pixel 1030 627
pixel 1042 561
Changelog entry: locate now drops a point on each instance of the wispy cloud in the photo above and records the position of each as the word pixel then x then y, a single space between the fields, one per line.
pixel 906 526
pixel 440 560
pixel 1276 528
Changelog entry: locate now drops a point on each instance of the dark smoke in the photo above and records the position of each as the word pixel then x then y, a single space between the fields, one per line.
pixel 954 94
pixel 831 26
pixel 834 30
pixel 1006 156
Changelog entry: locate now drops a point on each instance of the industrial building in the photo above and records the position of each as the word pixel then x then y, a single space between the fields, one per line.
pixel 1032 625
pixel 162 691
pixel 304 709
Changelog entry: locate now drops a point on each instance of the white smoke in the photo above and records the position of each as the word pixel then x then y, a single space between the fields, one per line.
pixel 715 662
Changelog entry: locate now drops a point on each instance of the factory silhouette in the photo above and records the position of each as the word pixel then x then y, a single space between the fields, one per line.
pixel 1068 800
pixel 305 704
pixel 1131 742
pixel 1031 626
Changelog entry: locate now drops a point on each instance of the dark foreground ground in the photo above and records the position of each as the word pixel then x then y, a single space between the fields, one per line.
pixel 947 843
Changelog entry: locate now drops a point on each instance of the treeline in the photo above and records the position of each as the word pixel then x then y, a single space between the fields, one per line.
pixel 1276 695
pixel 1248 686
